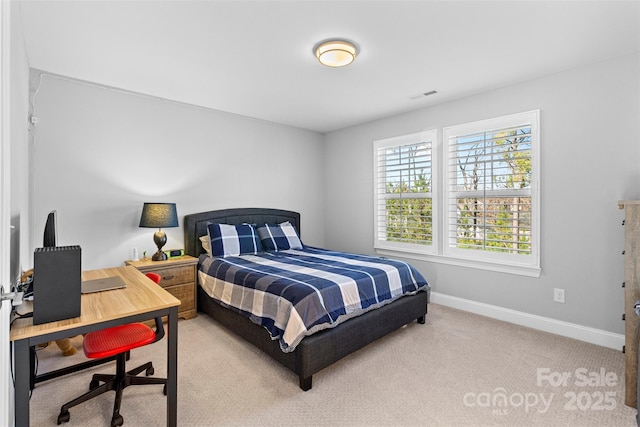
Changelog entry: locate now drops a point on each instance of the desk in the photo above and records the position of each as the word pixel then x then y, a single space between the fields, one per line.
pixel 140 300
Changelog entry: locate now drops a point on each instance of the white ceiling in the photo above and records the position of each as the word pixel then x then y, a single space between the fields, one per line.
pixel 255 58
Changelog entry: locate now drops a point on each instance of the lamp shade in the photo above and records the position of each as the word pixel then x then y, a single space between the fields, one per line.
pixel 159 215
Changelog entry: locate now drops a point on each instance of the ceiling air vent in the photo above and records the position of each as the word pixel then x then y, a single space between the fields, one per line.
pixel 422 95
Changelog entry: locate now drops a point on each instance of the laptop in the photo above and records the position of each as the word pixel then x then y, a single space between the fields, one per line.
pixel 103 284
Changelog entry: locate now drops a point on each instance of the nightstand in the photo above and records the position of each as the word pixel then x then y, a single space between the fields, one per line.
pixel 178 278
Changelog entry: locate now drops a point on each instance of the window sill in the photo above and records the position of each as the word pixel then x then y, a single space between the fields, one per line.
pixel 517 269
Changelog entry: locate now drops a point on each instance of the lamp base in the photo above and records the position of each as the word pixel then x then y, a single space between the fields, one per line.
pixel 159 256
pixel 159 239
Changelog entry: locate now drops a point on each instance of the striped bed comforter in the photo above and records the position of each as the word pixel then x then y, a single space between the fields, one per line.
pixel 295 293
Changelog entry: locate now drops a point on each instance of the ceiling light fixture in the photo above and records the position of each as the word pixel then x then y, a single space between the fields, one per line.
pixel 335 53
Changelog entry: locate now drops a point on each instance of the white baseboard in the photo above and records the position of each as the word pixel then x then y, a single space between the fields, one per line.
pixel 558 327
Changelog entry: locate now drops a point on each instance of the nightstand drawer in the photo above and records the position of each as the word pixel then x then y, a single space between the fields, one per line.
pixel 176 275
pixel 185 294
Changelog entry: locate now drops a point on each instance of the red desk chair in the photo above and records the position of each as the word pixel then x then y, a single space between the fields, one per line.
pixel 117 341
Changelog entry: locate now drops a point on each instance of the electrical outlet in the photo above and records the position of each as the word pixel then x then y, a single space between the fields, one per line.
pixel 558 295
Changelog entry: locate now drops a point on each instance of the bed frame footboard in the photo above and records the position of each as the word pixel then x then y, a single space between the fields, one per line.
pixel 326 347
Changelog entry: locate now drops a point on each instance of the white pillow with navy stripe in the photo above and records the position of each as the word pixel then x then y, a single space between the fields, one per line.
pixel 233 240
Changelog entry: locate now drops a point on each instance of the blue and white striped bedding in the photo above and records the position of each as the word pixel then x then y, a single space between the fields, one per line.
pixel 294 293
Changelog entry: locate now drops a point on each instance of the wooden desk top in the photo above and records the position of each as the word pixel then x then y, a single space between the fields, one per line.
pixel 140 296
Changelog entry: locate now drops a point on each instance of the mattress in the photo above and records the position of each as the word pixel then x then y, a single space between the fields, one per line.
pixel 296 292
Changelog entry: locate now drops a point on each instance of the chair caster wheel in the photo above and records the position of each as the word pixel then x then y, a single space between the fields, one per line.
pixel 117 421
pixel 64 417
pixel 149 371
pixel 94 384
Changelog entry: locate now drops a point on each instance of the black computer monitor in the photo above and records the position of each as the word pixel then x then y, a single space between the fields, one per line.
pixel 50 232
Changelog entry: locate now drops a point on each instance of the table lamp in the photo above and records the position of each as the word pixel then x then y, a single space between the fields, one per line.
pixel 159 215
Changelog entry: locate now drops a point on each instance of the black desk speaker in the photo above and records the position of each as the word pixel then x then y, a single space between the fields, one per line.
pixel 57 283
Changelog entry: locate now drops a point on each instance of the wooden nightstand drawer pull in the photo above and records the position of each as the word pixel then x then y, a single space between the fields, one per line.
pixel 176 275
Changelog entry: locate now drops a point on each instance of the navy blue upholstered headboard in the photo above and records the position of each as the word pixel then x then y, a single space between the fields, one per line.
pixel 195 225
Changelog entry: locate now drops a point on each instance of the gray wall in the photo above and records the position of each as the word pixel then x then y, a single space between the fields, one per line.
pixel 590 143
pixel 100 153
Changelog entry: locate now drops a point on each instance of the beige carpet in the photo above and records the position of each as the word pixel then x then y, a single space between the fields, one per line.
pixel 458 369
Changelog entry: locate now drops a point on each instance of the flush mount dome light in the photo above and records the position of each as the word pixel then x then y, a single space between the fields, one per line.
pixel 335 53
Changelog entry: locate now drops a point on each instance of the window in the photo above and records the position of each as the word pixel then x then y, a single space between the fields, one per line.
pixel 487 212
pixel 492 171
pixel 404 192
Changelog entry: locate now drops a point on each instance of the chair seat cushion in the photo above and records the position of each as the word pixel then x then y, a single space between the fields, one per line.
pixel 118 339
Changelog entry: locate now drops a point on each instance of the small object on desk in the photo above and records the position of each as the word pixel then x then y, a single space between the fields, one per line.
pixel 102 284
pixel 26 284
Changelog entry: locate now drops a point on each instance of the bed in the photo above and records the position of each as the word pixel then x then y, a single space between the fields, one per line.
pixel 327 344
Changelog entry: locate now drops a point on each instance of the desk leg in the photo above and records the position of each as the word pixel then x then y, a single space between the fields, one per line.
pixel 172 368
pixel 22 380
